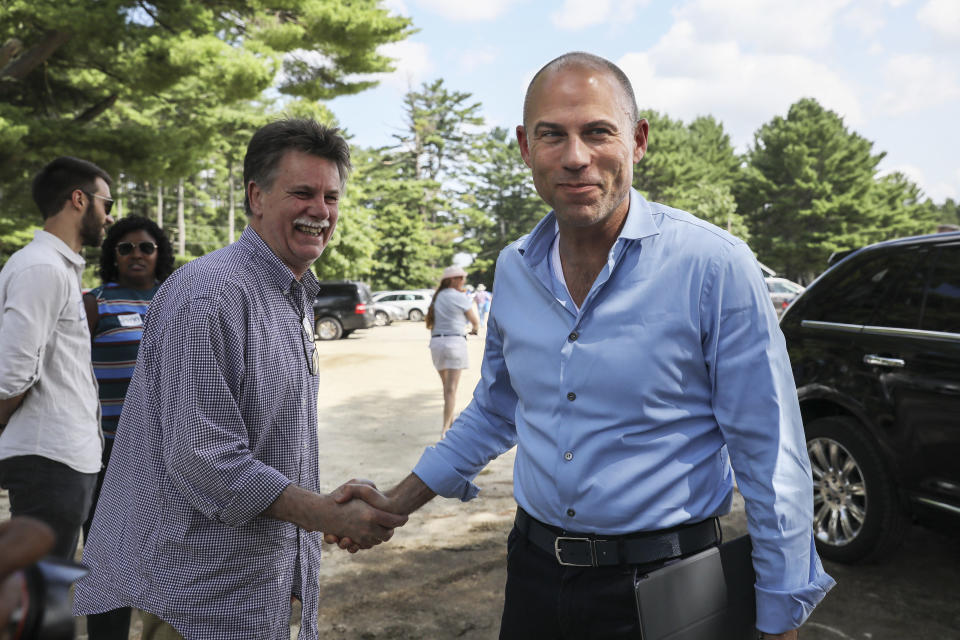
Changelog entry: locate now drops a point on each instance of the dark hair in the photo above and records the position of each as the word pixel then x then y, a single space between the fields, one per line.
pixel 272 141
pixel 55 183
pixel 446 283
pixel 120 228
pixel 584 59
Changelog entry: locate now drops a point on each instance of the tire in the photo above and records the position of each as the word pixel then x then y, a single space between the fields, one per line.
pixel 328 328
pixel 381 318
pixel 415 315
pixel 857 513
pixel 346 333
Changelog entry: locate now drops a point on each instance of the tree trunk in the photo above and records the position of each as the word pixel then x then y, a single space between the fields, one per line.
pixel 181 225
pixel 160 204
pixel 231 213
pixel 9 49
pixel 22 65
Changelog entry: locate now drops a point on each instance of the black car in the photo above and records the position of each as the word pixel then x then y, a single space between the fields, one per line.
pixel 340 308
pixel 875 348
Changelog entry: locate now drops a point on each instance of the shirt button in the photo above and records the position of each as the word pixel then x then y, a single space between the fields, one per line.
pixel 568 456
pixel 573 336
pixel 571 512
pixel 571 396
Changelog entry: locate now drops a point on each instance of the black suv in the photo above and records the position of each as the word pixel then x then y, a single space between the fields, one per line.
pixel 340 308
pixel 875 348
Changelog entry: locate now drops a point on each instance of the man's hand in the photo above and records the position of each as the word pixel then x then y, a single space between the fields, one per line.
pixel 9 406
pixel 24 540
pixel 363 490
pixel 364 524
pixel 403 499
pixel 363 517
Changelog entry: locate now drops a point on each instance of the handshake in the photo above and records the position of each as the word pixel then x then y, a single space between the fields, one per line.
pixel 362 516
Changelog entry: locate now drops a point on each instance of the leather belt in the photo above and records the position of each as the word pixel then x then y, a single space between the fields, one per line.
pixel 447 335
pixel 590 550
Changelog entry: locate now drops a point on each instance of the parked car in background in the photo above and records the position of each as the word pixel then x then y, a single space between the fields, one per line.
pixel 340 308
pixel 875 347
pixel 782 292
pixel 385 313
pixel 414 303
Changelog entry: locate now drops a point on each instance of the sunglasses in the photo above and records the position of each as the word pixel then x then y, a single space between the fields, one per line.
pixel 126 248
pixel 107 202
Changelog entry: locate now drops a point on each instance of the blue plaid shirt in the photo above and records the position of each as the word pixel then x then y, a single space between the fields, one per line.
pixel 220 417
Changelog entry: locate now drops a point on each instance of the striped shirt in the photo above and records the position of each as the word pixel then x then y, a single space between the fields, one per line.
pixel 220 417
pixel 116 339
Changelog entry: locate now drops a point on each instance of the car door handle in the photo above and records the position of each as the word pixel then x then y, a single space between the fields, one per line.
pixel 880 361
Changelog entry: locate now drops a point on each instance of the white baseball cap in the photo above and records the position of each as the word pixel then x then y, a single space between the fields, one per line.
pixel 453 272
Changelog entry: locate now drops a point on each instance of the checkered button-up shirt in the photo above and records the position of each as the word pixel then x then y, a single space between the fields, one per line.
pixel 220 417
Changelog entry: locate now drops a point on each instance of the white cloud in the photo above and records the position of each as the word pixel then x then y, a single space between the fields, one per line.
pixel 917 82
pixel 942 17
pixel 412 65
pixel 686 76
pixel 467 10
pixel 765 25
pixel 397 7
pixel 580 14
pixel 473 58
pixel 864 18
pixel 938 191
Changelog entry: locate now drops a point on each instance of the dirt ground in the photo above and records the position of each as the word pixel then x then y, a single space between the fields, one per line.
pixel 442 575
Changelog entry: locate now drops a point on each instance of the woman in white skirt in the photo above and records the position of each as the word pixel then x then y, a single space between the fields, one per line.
pixel 447 318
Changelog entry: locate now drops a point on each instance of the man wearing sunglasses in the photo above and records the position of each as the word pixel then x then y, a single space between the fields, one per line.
pixel 51 446
pixel 210 514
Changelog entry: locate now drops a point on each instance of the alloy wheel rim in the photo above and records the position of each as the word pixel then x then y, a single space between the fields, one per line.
pixel 839 492
pixel 327 330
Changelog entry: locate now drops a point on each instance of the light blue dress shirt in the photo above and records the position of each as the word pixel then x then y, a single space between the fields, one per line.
pixel 629 412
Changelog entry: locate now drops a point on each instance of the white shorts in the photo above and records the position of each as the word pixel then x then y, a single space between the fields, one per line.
pixel 449 352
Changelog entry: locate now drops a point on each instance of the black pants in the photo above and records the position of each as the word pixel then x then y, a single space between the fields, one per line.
pixel 547 601
pixel 51 492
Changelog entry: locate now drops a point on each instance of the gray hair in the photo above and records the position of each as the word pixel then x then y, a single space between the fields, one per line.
pixel 272 141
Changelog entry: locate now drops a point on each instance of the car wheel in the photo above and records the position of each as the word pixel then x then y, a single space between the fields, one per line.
pixel 381 318
pixel 857 514
pixel 329 329
pixel 415 315
pixel 347 332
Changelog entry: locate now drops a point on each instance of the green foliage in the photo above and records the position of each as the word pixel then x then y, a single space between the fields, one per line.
pixel 153 90
pixel 501 202
pixel 809 190
pixel 692 167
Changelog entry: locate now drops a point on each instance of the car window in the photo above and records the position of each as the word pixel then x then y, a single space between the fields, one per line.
pixel 904 300
pixel 851 292
pixel 941 309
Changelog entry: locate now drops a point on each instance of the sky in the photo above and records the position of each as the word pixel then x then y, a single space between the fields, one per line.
pixel 889 68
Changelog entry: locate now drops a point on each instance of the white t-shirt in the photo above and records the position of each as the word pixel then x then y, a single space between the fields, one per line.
pixel 449 307
pixel 45 350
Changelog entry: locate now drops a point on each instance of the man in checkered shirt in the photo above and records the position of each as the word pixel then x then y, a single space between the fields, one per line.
pixel 210 515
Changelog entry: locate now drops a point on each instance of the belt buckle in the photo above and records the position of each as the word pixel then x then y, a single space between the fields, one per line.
pixel 587 541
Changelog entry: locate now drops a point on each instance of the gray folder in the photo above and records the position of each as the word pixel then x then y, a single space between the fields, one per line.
pixel 708 596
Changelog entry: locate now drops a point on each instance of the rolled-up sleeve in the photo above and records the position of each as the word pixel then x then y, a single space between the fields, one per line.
pixel 755 402
pixel 32 304
pixel 206 447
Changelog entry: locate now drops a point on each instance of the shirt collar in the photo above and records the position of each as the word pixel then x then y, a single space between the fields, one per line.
pixel 61 247
pixel 276 269
pixel 639 224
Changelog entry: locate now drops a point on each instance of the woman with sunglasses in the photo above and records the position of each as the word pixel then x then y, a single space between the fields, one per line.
pixel 135 258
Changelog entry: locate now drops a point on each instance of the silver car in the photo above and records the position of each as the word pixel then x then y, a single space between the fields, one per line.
pixel 413 303
pixel 782 292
